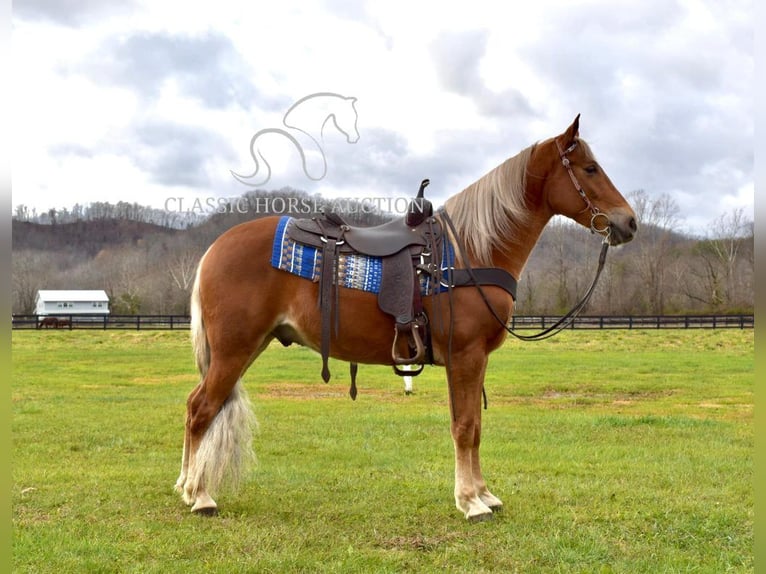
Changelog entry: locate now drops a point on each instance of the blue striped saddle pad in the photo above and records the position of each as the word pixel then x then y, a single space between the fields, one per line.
pixel 355 271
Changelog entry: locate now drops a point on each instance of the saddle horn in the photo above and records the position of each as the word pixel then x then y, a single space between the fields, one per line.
pixel 419 208
pixel 423 186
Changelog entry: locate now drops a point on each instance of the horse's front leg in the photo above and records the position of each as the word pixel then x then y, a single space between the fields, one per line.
pixel 494 503
pixel 466 380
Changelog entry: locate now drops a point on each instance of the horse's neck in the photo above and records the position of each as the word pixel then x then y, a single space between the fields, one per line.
pixel 513 258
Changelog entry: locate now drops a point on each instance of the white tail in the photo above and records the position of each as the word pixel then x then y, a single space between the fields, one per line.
pixel 198 335
pixel 225 454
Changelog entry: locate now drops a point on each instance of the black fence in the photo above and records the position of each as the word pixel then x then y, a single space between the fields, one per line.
pixel 170 322
pixel 641 322
pixel 124 322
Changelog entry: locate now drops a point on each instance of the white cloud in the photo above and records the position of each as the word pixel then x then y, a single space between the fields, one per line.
pixel 135 92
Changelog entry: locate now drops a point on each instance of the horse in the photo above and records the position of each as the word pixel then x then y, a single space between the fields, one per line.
pixel 48 322
pixel 240 304
pixel 306 117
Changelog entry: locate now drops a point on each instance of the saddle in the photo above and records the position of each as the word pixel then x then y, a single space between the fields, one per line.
pixel 405 245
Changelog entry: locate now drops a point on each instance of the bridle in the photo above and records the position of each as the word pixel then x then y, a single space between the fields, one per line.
pixel 596 213
pixel 567 319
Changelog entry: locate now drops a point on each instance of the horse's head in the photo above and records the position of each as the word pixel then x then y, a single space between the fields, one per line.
pixel 577 187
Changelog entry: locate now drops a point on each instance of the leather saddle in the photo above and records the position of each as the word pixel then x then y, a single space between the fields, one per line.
pixel 383 240
pixel 405 245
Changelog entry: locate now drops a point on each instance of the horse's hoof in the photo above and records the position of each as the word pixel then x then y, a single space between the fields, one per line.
pixel 207 511
pixel 480 518
pixel 408 393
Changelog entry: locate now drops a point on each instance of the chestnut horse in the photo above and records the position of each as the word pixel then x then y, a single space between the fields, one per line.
pixel 49 322
pixel 240 303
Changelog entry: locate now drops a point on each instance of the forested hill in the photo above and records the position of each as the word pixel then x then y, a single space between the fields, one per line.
pixel 86 238
pixel 146 263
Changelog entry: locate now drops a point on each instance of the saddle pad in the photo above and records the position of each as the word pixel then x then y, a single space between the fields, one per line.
pixel 355 271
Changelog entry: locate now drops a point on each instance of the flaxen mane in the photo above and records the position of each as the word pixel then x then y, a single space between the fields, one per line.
pixel 489 213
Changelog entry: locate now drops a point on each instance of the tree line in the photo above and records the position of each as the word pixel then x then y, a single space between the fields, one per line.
pixel 145 258
pixel 105 211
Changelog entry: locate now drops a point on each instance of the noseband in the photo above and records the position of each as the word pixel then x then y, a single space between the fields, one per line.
pixel 596 213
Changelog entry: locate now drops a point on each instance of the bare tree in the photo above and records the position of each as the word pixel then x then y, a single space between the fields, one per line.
pixel 31 271
pixel 727 233
pixel 561 262
pixel 182 269
pixel 724 276
pixel 21 213
pixel 656 249
pixel 123 272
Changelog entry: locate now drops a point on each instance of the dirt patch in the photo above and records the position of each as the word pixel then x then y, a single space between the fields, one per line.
pixel 417 542
pixel 615 398
pixel 307 392
pixel 185 379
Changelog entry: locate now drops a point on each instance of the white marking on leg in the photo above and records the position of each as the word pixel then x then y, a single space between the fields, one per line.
pixel 184 465
pixel 407 379
pixel 466 497
pixel 492 501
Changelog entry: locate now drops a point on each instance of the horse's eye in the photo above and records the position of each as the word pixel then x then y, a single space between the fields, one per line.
pixel 591 169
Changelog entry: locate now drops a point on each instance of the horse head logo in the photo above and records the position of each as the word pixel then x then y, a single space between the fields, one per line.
pixel 304 125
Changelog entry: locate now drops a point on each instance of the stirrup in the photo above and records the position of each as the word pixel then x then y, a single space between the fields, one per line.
pixel 403 373
pixel 420 350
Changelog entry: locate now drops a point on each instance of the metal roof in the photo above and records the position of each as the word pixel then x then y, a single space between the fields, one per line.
pixel 73 295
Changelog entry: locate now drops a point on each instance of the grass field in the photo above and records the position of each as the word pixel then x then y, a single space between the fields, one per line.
pixel 614 451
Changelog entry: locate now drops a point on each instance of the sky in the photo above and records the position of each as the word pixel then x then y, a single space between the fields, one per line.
pixel 158 102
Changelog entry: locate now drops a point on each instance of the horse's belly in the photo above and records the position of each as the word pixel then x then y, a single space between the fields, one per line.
pixel 364 334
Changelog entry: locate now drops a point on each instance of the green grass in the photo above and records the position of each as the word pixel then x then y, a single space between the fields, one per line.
pixel 614 451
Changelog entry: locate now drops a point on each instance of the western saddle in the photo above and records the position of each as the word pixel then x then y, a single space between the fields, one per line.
pixel 407 246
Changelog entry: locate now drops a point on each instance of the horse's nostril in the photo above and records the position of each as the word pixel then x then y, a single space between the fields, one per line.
pixel 632 224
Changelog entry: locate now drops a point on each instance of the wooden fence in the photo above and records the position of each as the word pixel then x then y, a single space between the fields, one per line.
pixel 169 322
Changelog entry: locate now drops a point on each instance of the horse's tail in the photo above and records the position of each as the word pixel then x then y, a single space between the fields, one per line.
pixel 225 454
pixel 198 334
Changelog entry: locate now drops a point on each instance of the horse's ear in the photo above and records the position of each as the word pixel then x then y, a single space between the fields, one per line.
pixel 572 132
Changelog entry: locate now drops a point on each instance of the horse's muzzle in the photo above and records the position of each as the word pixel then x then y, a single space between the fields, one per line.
pixel 622 228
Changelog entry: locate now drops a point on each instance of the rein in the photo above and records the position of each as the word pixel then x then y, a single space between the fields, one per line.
pixel 569 317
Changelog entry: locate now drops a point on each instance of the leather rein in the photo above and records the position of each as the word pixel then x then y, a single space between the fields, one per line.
pixel 569 318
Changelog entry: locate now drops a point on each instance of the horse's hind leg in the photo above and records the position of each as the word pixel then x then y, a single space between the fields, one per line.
pixel 217 438
pixel 182 478
pixel 185 454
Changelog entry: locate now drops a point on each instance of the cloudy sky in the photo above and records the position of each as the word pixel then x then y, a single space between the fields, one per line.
pixel 148 100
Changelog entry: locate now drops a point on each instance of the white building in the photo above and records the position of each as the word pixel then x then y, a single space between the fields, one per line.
pixel 72 302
